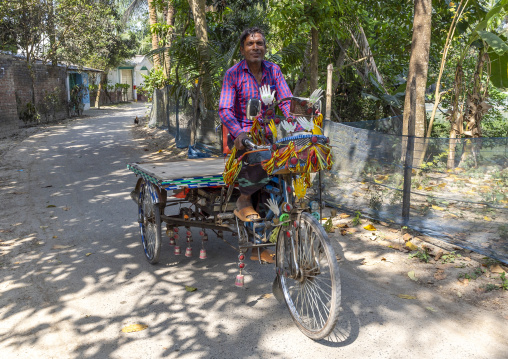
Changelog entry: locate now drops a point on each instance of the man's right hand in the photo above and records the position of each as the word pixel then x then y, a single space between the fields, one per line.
pixel 238 141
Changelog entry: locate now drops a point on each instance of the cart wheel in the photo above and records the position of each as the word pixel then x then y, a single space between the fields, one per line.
pixel 311 292
pixel 149 223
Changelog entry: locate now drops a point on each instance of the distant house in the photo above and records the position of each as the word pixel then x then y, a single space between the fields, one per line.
pixel 130 72
pixel 79 76
pixel 48 100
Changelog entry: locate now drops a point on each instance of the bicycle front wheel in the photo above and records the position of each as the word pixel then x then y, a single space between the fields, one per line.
pixel 309 277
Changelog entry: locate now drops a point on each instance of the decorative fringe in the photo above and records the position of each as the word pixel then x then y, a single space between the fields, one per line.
pixel 283 157
pixel 318 125
pixel 232 168
pixel 256 133
pixel 273 128
pixel 274 235
pixel 269 165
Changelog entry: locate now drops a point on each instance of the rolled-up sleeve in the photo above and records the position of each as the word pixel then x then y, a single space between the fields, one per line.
pixel 227 106
pixel 283 91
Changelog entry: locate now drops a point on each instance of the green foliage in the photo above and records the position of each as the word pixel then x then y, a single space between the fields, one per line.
pixel 328 225
pixel 356 219
pixel 449 257
pixel 76 103
pixel 504 281
pixel 50 104
pixel 421 254
pixel 477 272
pixel 154 80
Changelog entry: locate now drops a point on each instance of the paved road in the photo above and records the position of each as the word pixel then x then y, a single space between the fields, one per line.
pixel 73 274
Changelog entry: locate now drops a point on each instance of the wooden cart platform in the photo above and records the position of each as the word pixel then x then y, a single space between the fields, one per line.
pixel 195 173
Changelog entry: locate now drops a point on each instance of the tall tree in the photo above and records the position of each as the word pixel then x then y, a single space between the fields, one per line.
pixel 170 22
pixel 418 68
pixel 205 83
pixel 155 39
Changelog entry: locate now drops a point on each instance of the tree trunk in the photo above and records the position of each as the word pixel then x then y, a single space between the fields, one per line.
pixel 455 118
pixel 170 21
pixel 51 33
pixel 303 81
pixel 204 91
pixel 198 11
pixel 102 84
pixel 417 75
pixel 476 107
pixel 418 65
pixel 338 65
pixel 313 83
pixel 155 39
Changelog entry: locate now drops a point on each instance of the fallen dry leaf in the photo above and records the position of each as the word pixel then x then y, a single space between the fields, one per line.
pixel 430 309
pixel 437 208
pixel 496 268
pixel 342 225
pixel 190 289
pixel 438 255
pixel 411 246
pixel 88 254
pixel 439 275
pixel 406 296
pixel 488 219
pixel 343 231
pixel 55 237
pixel 50 206
pixel 412 275
pixel 464 281
pixel 59 246
pixel 267 295
pixel 407 237
pixel 134 328
pixel 344 215
pixel 369 227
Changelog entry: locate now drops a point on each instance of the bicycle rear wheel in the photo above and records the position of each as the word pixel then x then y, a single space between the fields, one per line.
pixel 311 284
pixel 149 218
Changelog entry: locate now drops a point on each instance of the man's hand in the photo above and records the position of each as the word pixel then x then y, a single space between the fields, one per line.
pixel 238 141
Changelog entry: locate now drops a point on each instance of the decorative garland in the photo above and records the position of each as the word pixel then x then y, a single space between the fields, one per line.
pixel 233 167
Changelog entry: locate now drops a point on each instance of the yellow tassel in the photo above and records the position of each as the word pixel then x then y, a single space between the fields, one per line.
pixel 232 168
pixel 318 124
pixel 273 128
pixel 255 133
pixel 284 156
pixel 270 164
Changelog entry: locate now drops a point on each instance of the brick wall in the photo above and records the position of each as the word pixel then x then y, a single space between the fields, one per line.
pixel 16 88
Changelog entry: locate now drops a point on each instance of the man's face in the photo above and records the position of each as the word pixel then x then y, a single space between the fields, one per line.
pixel 253 48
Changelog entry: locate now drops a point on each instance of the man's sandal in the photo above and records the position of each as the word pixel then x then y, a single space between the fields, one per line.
pixel 247 214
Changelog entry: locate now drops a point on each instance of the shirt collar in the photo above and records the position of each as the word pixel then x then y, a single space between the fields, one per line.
pixel 265 65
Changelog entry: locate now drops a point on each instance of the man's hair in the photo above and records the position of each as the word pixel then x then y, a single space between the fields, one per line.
pixel 251 31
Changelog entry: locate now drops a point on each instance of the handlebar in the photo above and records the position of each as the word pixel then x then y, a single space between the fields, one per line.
pixel 250 145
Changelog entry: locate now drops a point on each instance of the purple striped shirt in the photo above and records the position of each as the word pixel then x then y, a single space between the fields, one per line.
pixel 240 85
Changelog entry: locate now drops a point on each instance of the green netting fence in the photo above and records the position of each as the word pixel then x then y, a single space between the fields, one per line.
pixel 456 189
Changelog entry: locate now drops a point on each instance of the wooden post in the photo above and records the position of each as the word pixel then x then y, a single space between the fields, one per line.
pixel 329 78
pixel 408 161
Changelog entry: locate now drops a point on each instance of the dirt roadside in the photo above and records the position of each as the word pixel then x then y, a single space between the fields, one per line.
pixel 377 250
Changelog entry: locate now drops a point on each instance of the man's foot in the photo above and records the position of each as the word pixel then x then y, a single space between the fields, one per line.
pixel 244 210
pixel 266 255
